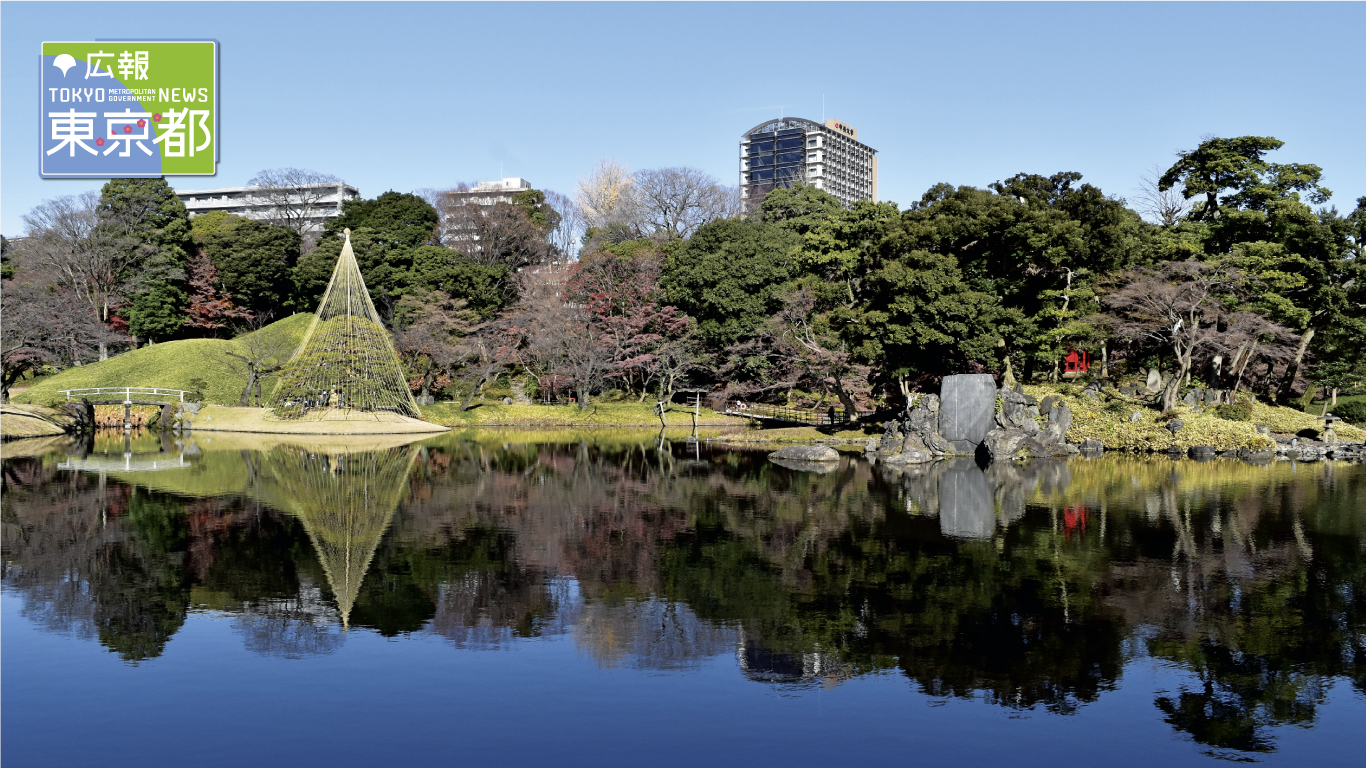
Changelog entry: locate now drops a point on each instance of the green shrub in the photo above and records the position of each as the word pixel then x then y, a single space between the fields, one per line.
pixel 1234 412
pixel 1354 412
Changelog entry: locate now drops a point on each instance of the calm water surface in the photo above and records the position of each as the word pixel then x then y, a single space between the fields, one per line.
pixel 614 599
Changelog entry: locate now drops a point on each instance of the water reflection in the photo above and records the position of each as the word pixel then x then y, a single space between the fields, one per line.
pixel 1023 585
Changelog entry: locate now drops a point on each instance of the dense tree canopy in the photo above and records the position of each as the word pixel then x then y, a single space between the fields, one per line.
pixel 255 262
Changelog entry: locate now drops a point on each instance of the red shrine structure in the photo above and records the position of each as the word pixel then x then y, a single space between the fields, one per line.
pixel 1077 362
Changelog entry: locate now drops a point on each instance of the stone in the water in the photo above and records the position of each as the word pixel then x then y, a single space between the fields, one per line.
pixel 1092 445
pixel 806 453
pixel 1201 452
pixel 797 465
pixel 966 410
pixel 1154 382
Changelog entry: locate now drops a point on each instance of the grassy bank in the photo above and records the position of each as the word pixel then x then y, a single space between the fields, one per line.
pixel 620 414
pixel 189 364
pixel 1108 419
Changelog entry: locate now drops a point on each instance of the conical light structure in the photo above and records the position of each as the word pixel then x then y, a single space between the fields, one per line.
pixel 347 359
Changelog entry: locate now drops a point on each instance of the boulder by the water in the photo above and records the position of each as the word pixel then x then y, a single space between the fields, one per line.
pixel 806 453
pixel 796 465
pixel 1154 382
pixel 1059 421
pixel 968 402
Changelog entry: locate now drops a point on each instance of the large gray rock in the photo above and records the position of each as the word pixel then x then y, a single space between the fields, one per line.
pixel 1059 421
pixel 910 456
pixel 1008 444
pixel 921 426
pixel 967 409
pixel 1015 413
pixel 1154 382
pixel 806 453
pixel 796 465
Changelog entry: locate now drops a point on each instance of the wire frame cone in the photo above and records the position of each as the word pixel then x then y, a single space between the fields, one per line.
pixel 346 503
pixel 347 359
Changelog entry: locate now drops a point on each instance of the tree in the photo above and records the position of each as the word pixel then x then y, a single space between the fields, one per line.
pixel 148 229
pixel 158 312
pixel 652 341
pixel 384 234
pixel 920 316
pixel 558 341
pixel 1237 164
pixel 485 288
pixel 607 195
pixel 1038 243
pixel 730 277
pixel 296 197
pixel 428 331
pixel 255 262
pixel 254 355
pixel 673 203
pixel 568 230
pixel 62 237
pixel 1258 219
pixel 800 208
pixel 210 309
pixel 400 221
pixel 505 234
pixel 45 324
pixel 1183 308
pixel 1165 207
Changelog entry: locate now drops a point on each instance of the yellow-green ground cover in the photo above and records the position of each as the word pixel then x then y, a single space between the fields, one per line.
pixel 1107 419
pixel 617 414
pixel 171 365
pixel 219 418
pixel 20 421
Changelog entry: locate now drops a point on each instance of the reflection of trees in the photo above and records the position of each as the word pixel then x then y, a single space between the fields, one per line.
pixel 1257 588
pixel 1250 579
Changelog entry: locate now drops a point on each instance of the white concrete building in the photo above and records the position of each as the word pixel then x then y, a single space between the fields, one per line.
pixel 489 192
pixel 315 203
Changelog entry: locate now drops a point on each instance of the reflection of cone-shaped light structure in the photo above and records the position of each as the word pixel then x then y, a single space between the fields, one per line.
pixel 347 358
pixel 345 503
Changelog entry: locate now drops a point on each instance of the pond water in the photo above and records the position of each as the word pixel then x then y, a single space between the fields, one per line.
pixel 615 598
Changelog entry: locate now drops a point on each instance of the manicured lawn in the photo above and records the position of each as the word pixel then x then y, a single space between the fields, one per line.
pixel 170 365
pixel 596 415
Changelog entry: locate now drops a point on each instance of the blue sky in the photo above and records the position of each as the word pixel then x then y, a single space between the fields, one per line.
pixel 406 96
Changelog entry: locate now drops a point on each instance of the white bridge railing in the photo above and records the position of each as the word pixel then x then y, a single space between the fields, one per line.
pixel 125 463
pixel 142 393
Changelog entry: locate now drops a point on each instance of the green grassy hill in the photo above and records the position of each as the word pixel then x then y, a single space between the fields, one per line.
pixel 172 365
